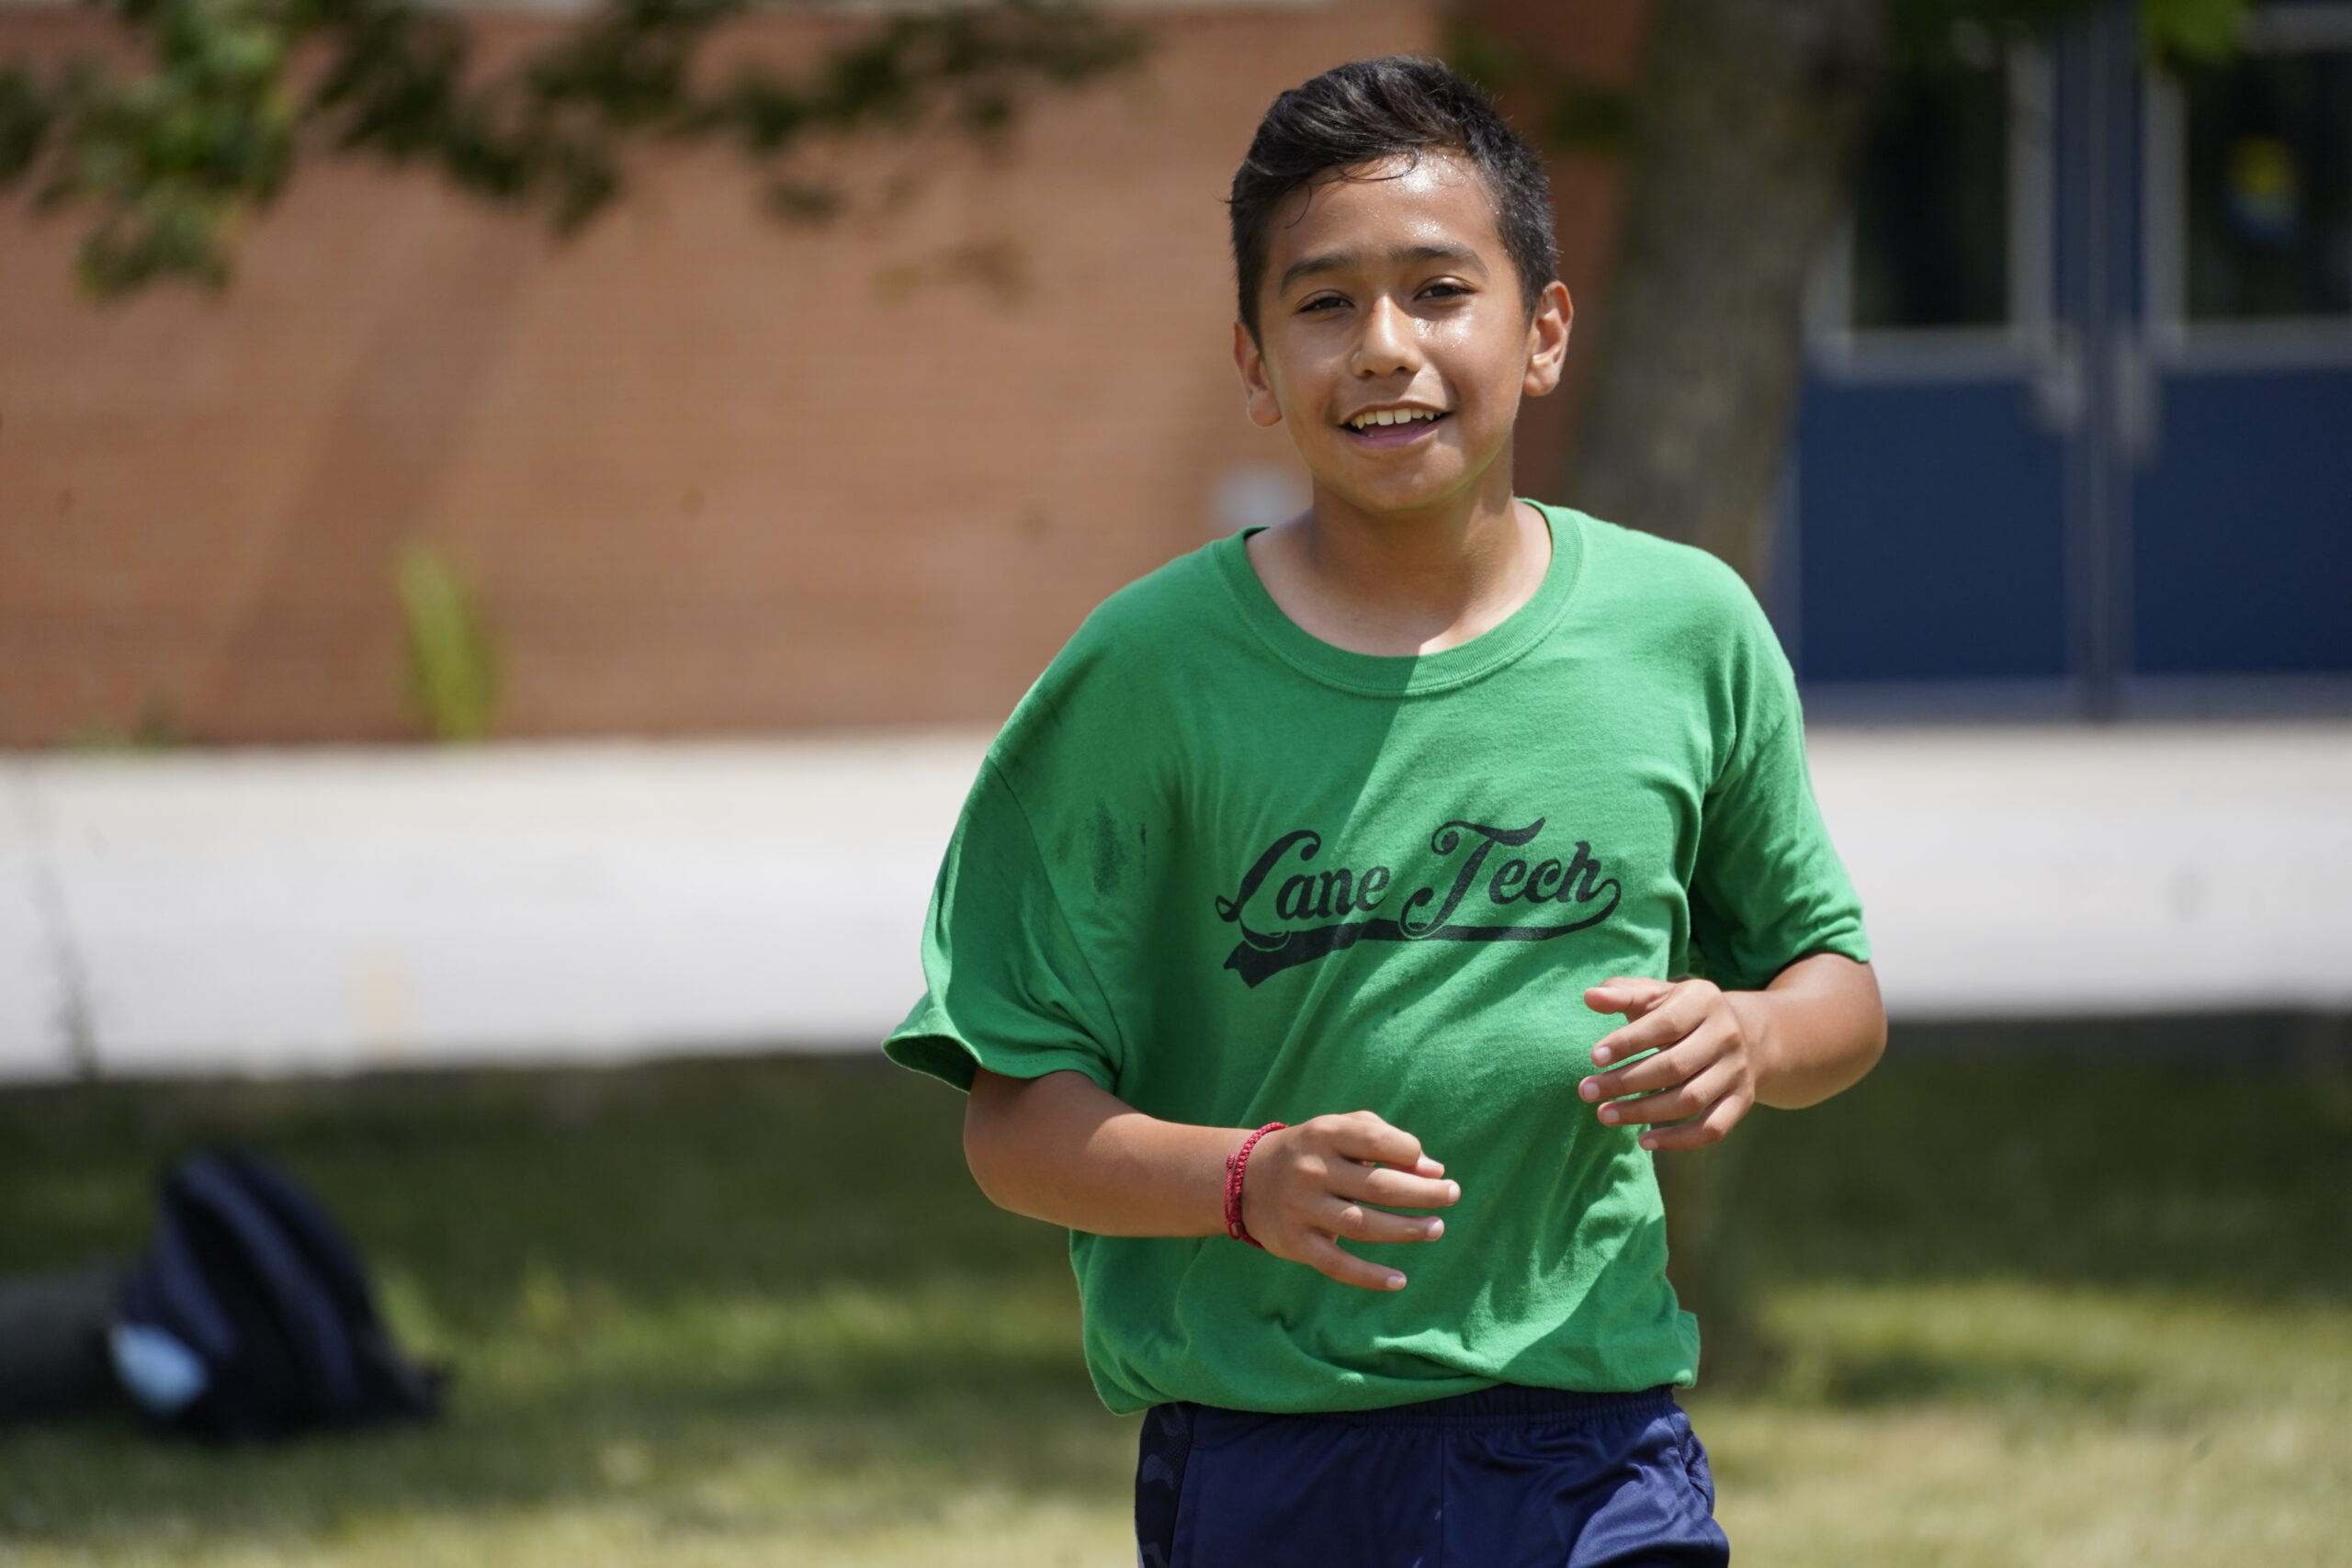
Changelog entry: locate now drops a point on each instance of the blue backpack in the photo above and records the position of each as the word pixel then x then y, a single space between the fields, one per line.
pixel 252 1315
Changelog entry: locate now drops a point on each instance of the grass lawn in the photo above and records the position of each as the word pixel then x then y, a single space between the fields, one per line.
pixel 2027 1308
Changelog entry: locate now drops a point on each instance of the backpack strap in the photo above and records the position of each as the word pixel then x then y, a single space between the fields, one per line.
pixel 306 1223
pixel 309 1315
pixel 169 1290
pixel 390 1383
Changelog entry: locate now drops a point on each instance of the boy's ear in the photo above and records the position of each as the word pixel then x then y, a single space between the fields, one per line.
pixel 1547 339
pixel 1257 393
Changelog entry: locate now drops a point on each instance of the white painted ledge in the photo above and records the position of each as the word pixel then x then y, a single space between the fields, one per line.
pixel 268 911
pixel 334 910
pixel 2062 871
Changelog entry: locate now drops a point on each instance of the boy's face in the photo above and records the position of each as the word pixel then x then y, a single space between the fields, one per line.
pixel 1394 295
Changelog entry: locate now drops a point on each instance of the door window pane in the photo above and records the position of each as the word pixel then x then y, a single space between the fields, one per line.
pixel 2268 163
pixel 1931 216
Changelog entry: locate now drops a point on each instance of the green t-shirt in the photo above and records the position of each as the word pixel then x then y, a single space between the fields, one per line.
pixel 1235 875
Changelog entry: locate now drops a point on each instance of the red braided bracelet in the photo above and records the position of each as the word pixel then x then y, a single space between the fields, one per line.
pixel 1234 1164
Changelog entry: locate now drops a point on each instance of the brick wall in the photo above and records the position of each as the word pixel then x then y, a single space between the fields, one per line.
pixel 711 473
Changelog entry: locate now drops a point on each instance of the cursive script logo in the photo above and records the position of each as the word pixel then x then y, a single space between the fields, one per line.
pixel 1282 892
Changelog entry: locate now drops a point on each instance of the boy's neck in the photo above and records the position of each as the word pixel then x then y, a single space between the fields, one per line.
pixel 1404 583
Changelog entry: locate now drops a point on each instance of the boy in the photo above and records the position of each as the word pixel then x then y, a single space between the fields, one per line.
pixel 1339 839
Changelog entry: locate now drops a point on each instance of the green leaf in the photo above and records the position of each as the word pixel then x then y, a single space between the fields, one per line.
pixel 174 158
pixel 452 660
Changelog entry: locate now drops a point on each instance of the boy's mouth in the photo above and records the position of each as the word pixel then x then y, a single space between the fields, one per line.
pixel 1393 427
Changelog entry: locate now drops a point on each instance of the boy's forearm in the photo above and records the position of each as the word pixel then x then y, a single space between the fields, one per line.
pixel 1060 1149
pixel 1816 1029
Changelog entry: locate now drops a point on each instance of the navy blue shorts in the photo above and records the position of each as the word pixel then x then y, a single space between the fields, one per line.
pixel 1506 1477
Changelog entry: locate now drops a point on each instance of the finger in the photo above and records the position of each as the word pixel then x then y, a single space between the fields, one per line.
pixel 1677 1063
pixel 1661 1069
pixel 1358 1223
pixel 1392 1188
pixel 1325 1256
pixel 1664 1024
pixel 1363 1135
pixel 1672 1104
pixel 1711 1128
pixel 1625 994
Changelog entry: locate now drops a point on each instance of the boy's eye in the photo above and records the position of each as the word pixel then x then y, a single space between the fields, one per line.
pixel 1442 290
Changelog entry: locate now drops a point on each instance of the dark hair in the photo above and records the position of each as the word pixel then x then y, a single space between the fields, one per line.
pixel 1368 111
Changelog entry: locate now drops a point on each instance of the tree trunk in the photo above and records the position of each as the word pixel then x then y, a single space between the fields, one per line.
pixel 1745 129
pixel 1746 126
pixel 1707 1263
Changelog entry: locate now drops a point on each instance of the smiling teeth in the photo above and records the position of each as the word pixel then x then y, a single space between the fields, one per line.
pixel 1390 416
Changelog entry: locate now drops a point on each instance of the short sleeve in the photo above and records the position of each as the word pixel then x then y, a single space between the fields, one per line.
pixel 1767 888
pixel 1008 986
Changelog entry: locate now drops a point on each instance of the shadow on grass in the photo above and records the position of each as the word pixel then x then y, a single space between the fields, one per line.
pixel 2190 1157
pixel 673 1181
pixel 794 1421
pixel 736 1295
pixel 788 1464
pixel 776 1265
pixel 1879 1381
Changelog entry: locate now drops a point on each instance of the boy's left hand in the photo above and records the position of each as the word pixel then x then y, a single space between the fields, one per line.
pixel 1700 1075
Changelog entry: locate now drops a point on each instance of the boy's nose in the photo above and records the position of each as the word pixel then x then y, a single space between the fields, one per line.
pixel 1388 343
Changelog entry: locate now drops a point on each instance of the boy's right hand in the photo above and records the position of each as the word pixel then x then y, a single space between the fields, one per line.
pixel 1310 1186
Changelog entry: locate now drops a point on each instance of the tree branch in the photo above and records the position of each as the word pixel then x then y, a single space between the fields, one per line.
pixel 175 159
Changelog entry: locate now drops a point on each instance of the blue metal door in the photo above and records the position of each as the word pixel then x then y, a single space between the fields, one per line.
pixel 2235 375
pixel 2077 416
